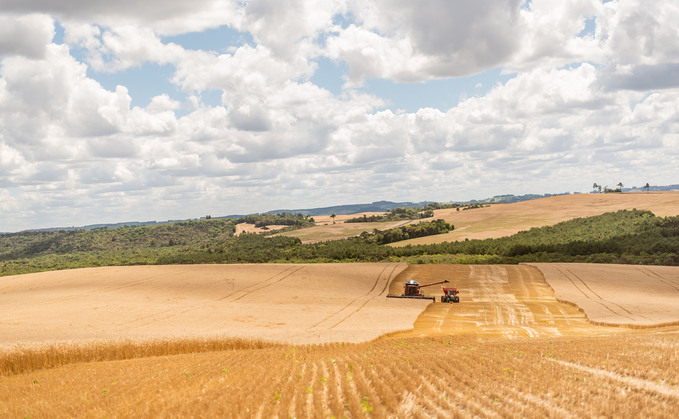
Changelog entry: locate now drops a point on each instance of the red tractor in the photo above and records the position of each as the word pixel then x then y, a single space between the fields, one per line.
pixel 450 294
pixel 411 289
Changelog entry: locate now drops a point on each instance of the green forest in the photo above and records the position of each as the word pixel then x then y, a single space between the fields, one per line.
pixel 396 214
pixel 632 237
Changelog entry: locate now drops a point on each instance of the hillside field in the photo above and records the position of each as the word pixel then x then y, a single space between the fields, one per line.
pixel 508 348
pixel 499 220
pixel 279 302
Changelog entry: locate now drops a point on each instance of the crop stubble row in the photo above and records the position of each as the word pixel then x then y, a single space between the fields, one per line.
pixel 460 376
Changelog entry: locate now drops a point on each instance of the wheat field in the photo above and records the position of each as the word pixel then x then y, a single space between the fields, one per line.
pixel 499 220
pixel 626 375
pixel 509 348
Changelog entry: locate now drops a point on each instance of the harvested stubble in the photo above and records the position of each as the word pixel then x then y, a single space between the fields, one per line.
pixel 632 374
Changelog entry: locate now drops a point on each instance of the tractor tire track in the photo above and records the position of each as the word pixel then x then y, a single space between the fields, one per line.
pixel 632 316
pixel 599 301
pixel 89 291
pixel 267 282
pixel 370 294
pixel 654 275
pixel 641 384
pixel 611 302
pixel 362 300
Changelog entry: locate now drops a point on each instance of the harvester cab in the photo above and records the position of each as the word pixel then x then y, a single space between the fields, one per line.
pixel 411 288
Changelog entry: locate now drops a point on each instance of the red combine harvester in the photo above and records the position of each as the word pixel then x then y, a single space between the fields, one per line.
pixel 411 289
pixel 450 294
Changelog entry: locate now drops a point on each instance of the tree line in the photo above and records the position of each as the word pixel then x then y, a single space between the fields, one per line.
pixel 633 236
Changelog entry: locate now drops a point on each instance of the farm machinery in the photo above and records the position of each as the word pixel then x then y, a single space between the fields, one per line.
pixel 411 289
pixel 450 294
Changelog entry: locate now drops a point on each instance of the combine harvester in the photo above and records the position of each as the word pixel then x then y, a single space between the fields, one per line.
pixel 412 290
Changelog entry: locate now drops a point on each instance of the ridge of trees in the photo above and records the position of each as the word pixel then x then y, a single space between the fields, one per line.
pixel 406 232
pixel 298 220
pixel 404 213
pixel 626 236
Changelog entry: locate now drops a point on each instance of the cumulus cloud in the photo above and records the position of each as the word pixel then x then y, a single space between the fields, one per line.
pixel 407 41
pixel 278 25
pixel 549 33
pixel 165 16
pixel 593 90
pixel 26 35
pixel 52 97
pixel 642 77
pixel 637 32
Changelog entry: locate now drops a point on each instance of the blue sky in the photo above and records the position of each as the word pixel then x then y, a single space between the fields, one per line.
pixel 169 110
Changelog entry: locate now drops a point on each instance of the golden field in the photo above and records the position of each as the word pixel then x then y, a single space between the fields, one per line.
pixel 280 302
pixel 508 348
pixel 498 220
pixel 275 340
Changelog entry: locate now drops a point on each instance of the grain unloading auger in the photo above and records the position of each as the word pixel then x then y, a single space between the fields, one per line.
pixel 411 289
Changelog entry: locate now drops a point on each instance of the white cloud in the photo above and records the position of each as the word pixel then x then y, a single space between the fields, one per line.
pixel 278 25
pixel 165 16
pixel 549 34
pixel 639 42
pixel 26 35
pixel 578 106
pixel 11 160
pixel 638 32
pixel 53 97
pixel 407 41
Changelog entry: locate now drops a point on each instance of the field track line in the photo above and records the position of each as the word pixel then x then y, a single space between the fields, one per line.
pixel 94 291
pixel 292 272
pixel 388 282
pixel 137 282
pixel 600 301
pixel 378 279
pixel 584 283
pixel 381 276
pixel 639 383
pixel 614 303
pixel 367 300
pixel 543 403
pixel 269 281
pixel 654 275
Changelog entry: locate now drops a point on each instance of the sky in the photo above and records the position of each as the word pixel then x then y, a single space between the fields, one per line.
pixel 169 109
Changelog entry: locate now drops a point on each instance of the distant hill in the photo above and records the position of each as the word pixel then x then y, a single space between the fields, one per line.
pixel 349 209
pixel 653 188
pixel 379 206
pixel 97 226
pixel 509 199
